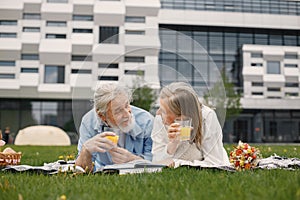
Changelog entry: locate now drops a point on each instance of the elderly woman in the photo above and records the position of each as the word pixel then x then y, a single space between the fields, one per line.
pixel 112 109
pixel 179 100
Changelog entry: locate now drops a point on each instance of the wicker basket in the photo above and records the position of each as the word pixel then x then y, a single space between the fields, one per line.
pixel 10 158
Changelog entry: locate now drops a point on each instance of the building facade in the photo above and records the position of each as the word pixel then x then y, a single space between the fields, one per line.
pixel 53 52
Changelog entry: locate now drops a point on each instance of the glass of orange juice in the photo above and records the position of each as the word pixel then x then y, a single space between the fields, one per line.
pixel 185 128
pixel 115 138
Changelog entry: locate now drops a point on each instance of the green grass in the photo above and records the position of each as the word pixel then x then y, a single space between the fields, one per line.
pixel 181 183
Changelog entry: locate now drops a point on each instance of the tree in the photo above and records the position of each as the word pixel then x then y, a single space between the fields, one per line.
pixel 143 95
pixel 222 96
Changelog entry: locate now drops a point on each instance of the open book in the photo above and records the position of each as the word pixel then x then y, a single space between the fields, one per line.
pixel 133 167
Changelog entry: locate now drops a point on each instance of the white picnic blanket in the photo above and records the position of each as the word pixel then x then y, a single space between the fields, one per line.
pixel 272 162
pixel 275 162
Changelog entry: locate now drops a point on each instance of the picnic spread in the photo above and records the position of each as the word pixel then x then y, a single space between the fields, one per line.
pixel 243 157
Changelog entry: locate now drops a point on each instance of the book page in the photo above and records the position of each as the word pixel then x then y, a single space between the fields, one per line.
pixel 128 165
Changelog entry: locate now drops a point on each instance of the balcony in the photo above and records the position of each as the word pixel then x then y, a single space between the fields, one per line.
pixel 82 43
pixel 10 48
pixel 252 71
pixel 109 13
pixel 142 8
pixel 11 9
pixel 55 51
pixel 55 11
pixel 291 71
pixel 32 6
pixel 83 6
pixel 142 45
pixel 108 53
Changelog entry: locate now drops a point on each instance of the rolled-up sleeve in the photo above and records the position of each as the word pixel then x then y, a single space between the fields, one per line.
pixel 147 155
pixel 160 140
pixel 212 145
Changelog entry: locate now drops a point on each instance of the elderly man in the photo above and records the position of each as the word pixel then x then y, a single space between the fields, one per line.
pixel 112 109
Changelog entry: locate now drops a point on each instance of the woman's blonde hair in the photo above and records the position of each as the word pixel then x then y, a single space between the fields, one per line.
pixel 183 100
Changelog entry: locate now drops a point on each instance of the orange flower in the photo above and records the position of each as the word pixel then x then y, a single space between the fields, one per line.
pixel 239 152
pixel 244 157
pixel 247 166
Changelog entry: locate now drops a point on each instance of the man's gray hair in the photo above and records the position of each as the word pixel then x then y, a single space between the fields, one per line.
pixel 107 92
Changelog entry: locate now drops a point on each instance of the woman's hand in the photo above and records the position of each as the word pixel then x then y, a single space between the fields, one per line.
pixel 174 132
pixel 174 137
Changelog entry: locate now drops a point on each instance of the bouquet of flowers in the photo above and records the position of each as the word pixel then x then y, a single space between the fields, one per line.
pixel 244 157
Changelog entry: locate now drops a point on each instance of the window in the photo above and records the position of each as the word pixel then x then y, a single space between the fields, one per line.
pixel 134 59
pixel 108 78
pixel 29 70
pixel 253 6
pixel 256 55
pixel 273 67
pixel 107 65
pixel 257 93
pixel 8 35
pixel 209 6
pixel 215 42
pixel 8 22
pixel 109 35
pixel 273 128
pixel 134 72
pixel 81 58
pixel 54 74
pixel 273 97
pixel 273 89
pixel 291 65
pixel 81 30
pixel 7 63
pixel 275 38
pixel 29 56
pixel 31 29
pixel 83 17
pixel 290 56
pixel 56 36
pixel 56 23
pixel 34 16
pixel 291 94
pixel 7 76
pixel 256 64
pixel 288 84
pixel 259 84
pixel 134 32
pixel 81 71
pixel 132 19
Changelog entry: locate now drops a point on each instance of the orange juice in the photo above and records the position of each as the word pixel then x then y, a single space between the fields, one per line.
pixel 114 139
pixel 185 133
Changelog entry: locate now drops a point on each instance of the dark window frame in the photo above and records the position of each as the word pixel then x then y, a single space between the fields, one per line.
pixel 60 71
pixel 109 34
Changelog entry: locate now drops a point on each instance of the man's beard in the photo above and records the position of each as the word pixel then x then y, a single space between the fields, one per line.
pixel 124 129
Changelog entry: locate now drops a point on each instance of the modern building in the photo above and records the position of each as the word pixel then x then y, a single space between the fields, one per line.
pixel 257 42
pixel 53 51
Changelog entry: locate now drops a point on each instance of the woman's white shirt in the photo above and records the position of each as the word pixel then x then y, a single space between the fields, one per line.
pixel 211 152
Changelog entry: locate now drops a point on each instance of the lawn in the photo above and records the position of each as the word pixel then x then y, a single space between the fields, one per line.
pixel 180 183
